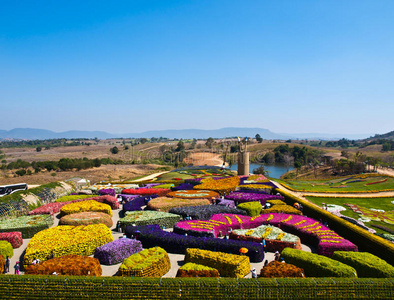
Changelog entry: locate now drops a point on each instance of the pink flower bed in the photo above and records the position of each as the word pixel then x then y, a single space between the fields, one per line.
pixel 54 207
pixel 14 238
pixel 146 192
pixel 309 230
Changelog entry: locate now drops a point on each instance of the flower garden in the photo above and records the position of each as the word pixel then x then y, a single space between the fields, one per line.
pixel 213 226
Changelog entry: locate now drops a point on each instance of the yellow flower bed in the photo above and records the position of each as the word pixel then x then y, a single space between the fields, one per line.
pixel 222 186
pixel 153 262
pixel 284 209
pixel 228 265
pixel 64 240
pixel 88 205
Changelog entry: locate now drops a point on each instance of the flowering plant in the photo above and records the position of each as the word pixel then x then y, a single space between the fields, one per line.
pixel 6 249
pixel 196 270
pixel 193 194
pixel 222 186
pixel 14 238
pixel 110 192
pixel 86 218
pixel 147 217
pixel 27 225
pixel 205 212
pixel 241 197
pixel 115 252
pixel 87 205
pixel 146 192
pixel 276 269
pixel 165 204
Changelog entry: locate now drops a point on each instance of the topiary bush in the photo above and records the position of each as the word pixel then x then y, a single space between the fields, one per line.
pixel 87 205
pixel 147 217
pixel 196 270
pixel 115 252
pixel 27 225
pixel 72 198
pixel 86 218
pixel 205 212
pixel 15 238
pixel 2 264
pixel 276 269
pixel 366 264
pixel 165 204
pixel 316 265
pixel 6 249
pixel 252 208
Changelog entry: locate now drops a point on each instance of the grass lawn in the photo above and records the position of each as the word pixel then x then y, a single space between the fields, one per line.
pixel 374 203
pixel 347 184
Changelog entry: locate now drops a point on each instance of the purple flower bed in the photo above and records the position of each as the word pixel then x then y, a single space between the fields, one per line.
pixel 183 186
pixel 228 203
pixel 152 235
pixel 110 192
pixel 127 198
pixel 241 197
pixel 115 252
pixel 205 212
pixel 151 185
pixel 134 204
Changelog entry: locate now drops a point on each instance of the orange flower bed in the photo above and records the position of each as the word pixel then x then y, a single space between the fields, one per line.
pixel 277 269
pixel 2 264
pixel 222 186
pixel 76 265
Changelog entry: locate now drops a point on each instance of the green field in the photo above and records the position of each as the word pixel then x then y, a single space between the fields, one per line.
pixel 347 184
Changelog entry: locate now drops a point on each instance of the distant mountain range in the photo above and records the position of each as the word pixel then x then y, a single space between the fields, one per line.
pixel 42 134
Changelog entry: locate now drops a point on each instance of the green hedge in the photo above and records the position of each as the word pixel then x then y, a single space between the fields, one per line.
pixel 366 242
pixel 28 225
pixel 366 264
pixel 316 265
pixel 6 249
pixel 252 208
pixel 72 287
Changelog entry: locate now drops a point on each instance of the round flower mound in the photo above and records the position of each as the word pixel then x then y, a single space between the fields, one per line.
pixel 6 249
pixel 115 252
pixel 196 270
pixel 193 194
pixel 72 198
pixel 284 209
pixel 165 204
pixel 146 192
pixel 75 265
pixel 152 262
pixel 88 205
pixel 222 186
pixel 147 217
pixel 276 269
pixel 64 240
pixel 15 238
pixel 86 218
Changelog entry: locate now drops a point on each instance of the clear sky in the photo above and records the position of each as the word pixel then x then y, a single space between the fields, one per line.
pixel 294 66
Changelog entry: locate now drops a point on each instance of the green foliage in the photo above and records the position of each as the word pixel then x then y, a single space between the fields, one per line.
pixel 6 249
pixel 366 264
pixel 21 172
pixel 209 143
pixel 27 225
pixel 38 149
pixel 259 139
pixel 17 196
pixel 316 265
pixel 252 208
pixel 114 150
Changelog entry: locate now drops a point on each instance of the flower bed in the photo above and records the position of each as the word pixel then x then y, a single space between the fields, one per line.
pixel 2 264
pixel 74 265
pixel 6 249
pixel 205 212
pixel 153 235
pixel 15 238
pixel 228 203
pixel 228 265
pixel 275 238
pixel 134 204
pixel 106 199
pixel 146 192
pixel 147 217
pixel 309 230
pixel 276 269
pixel 260 187
pixel 87 205
pixel 316 265
pixel 366 264
pixel 182 186
pixel 283 209
pixel 193 194
pixel 27 225
pixel 165 204
pixel 64 240
pixel 86 218
pixel 115 252
pixel 196 270
pixel 241 197
pixel 252 208
pixel 276 202
pixel 153 262
pixel 222 186
pixel 72 197
pixel 109 192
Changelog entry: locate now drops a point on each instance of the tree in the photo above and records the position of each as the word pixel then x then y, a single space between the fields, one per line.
pixel 38 149
pixel 259 139
pixel 180 146
pixel 261 170
pixel 209 143
pixel 193 144
pixel 114 150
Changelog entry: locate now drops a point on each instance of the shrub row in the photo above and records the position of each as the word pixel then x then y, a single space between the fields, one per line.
pixel 153 262
pixel 228 265
pixel 75 265
pixel 316 265
pixel 205 212
pixel 196 270
pixel 165 204
pixel 14 238
pixel 115 252
pixel 27 225
pixel 153 235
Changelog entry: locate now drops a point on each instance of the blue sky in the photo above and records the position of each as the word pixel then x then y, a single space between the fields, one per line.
pixel 131 66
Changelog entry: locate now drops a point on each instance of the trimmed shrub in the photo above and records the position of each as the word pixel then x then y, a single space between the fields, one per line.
pixel 228 265
pixel 86 218
pixel 147 192
pixel 6 249
pixel 276 269
pixel 153 262
pixel 222 186
pixel 27 225
pixel 165 204
pixel 228 203
pixel 76 265
pixel 205 212
pixel 135 204
pixel 147 217
pixel 366 264
pixel 110 192
pixel 316 265
pixel 15 238
pixel 276 202
pixel 153 235
pixel 252 208
pixel 64 240
pixel 284 209
pixel 87 205
pixel 2 264
pixel 115 252
pixel 196 270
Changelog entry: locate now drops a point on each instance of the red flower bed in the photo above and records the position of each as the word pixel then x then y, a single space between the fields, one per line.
pixel 14 238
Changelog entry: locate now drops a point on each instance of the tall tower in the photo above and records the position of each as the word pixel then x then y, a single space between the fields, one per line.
pixel 243 158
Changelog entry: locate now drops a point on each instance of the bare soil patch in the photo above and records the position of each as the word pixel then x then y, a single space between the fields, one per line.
pixel 204 158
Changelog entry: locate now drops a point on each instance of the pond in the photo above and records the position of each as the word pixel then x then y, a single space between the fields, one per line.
pixel 275 171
